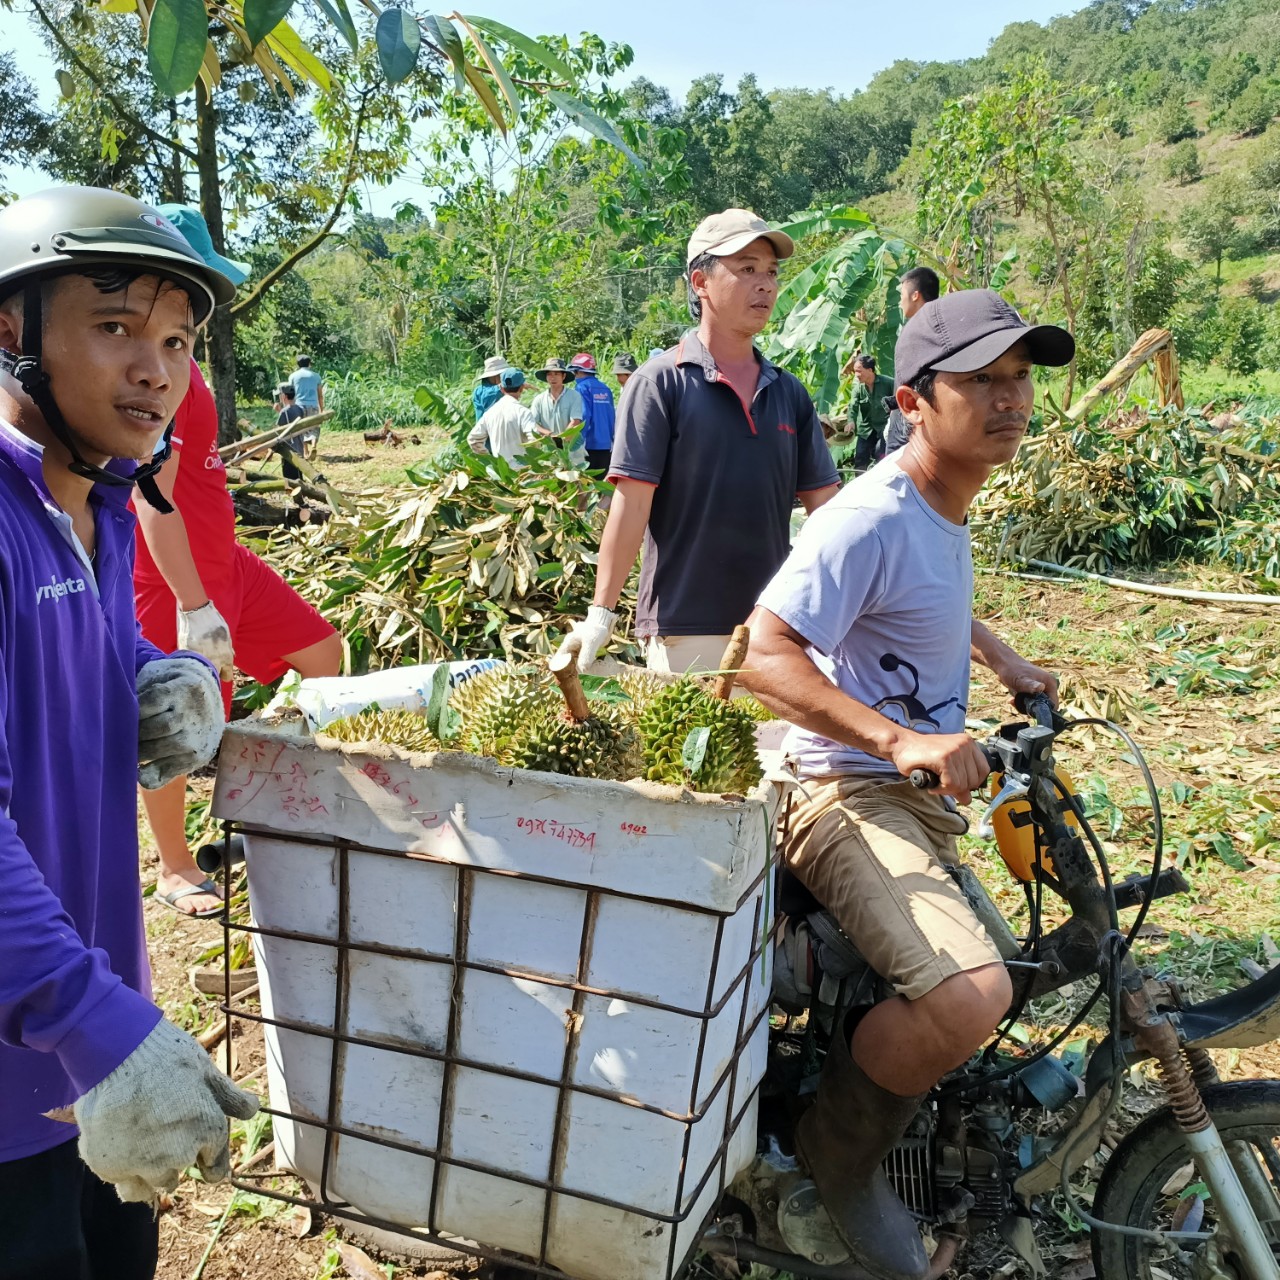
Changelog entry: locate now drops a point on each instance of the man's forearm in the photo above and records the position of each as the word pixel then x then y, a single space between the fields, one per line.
pixel 987 648
pixel 166 539
pixel 620 543
pixel 780 673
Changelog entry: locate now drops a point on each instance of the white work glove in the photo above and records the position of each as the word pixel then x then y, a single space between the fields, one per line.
pixel 593 633
pixel 180 719
pixel 204 631
pixel 163 1109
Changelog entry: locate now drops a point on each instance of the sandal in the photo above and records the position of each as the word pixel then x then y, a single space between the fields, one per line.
pixel 205 886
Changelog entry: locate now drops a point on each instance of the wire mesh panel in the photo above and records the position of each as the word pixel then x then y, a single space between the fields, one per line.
pixel 521 1010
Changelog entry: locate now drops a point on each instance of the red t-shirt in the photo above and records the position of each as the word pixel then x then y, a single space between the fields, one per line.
pixel 200 491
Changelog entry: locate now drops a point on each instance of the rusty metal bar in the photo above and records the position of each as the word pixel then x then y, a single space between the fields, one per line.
pixel 461 939
pixel 316 839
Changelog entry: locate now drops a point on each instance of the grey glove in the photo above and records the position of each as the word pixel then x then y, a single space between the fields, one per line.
pixel 164 1108
pixel 205 631
pixel 180 719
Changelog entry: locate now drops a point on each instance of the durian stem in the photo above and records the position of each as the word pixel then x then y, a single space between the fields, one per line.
pixel 564 666
pixel 734 656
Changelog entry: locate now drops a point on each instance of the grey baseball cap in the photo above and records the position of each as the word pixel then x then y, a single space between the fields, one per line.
pixel 967 329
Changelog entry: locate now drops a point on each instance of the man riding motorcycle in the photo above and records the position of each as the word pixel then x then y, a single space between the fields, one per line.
pixel 876 599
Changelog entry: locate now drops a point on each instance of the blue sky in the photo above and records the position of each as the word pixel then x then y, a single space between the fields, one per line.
pixel 814 44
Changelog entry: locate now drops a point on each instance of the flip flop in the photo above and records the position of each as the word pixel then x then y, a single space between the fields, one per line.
pixel 171 900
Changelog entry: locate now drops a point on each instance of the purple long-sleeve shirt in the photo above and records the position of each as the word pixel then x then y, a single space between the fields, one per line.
pixel 75 988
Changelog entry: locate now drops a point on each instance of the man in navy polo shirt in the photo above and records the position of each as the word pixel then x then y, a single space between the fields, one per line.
pixel 713 446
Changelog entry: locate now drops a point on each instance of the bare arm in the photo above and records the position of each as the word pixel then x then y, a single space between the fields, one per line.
pixel 780 672
pixel 623 534
pixel 1010 668
pixel 814 498
pixel 166 539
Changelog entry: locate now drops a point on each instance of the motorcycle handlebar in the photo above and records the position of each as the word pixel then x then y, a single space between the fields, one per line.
pixel 924 779
pixel 1037 706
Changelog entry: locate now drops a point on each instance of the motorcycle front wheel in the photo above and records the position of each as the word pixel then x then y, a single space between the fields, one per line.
pixel 1150 1182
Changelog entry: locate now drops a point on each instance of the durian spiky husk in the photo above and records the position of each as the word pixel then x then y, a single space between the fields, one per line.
pixel 405 729
pixel 602 746
pixel 641 687
pixel 730 763
pixel 500 708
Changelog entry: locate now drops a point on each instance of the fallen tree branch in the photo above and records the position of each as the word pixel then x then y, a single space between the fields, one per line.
pixel 1151 588
pixel 229 453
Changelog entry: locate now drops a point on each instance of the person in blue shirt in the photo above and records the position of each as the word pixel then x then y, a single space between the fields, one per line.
pixel 488 392
pixel 309 385
pixel 597 413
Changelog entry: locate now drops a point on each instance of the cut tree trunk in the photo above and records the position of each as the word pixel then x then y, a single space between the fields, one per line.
pixel 1148 346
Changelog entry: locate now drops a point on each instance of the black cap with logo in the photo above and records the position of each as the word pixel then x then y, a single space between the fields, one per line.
pixel 968 329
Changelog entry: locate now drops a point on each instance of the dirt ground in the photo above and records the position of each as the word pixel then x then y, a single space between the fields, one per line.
pixel 1196 686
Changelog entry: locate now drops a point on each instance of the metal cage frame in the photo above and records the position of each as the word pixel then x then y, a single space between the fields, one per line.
pixel 235 1009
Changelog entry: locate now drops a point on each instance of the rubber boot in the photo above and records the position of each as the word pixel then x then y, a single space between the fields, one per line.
pixel 842 1140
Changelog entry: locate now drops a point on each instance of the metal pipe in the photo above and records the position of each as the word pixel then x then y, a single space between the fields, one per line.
pixel 1234 1210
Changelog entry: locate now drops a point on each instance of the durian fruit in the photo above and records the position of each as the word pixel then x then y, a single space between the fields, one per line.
pixel 406 729
pixel 601 746
pixel 500 708
pixel 730 763
pixel 754 708
pixel 641 687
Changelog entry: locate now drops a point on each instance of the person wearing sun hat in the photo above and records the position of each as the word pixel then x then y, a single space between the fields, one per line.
pixel 196 586
pixel 506 426
pixel 864 642
pixel 488 391
pixel 558 408
pixel 714 446
pixel 624 366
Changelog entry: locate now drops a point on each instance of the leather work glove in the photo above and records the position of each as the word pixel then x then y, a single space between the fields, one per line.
pixel 593 633
pixel 180 719
pixel 164 1108
pixel 204 631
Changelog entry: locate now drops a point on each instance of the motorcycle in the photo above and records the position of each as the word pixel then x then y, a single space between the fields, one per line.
pixel 971 1162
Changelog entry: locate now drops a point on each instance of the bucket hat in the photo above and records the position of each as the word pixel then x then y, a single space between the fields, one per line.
pixel 493 366
pixel 554 365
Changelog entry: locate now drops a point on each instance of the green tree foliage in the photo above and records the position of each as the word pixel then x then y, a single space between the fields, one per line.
pixel 1209 228
pixel 1182 164
pixel 1254 109
pixel 1173 122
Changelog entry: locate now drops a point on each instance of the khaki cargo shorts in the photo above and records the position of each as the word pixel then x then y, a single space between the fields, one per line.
pixel 873 854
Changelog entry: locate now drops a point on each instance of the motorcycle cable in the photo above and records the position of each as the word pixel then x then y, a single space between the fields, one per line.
pixel 1157 818
pixel 1031 948
pixel 988 1077
pixel 1119 946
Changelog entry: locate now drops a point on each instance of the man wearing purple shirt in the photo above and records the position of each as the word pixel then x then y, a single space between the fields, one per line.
pixel 99 303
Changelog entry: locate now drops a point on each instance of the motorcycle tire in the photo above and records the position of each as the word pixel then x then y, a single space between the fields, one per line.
pixel 1130 1193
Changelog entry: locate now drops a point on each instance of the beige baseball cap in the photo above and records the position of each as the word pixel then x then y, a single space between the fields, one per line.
pixel 725 233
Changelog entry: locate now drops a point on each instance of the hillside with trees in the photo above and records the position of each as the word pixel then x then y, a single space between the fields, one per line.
pixel 1116 168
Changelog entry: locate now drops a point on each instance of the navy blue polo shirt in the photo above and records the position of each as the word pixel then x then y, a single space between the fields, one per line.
pixel 726 476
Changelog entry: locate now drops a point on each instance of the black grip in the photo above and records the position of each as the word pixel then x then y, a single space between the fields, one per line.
pixel 211 858
pixel 924 779
pixel 1037 706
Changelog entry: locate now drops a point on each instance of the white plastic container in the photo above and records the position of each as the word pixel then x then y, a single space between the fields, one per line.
pixel 519 1009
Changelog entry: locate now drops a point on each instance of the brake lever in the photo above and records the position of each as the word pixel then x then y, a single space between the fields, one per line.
pixel 1012 789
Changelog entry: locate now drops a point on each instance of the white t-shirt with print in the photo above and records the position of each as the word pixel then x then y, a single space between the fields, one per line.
pixel 881 586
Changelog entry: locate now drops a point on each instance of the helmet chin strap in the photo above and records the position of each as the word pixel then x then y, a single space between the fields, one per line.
pixel 35 382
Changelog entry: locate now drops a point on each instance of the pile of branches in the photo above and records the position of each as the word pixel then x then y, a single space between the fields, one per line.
pixel 1137 488
pixel 480 559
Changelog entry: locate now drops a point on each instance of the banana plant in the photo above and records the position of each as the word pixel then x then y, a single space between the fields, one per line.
pixel 844 302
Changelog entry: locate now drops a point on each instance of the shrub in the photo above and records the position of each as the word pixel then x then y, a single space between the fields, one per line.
pixel 1173 121
pixel 1252 111
pixel 1182 164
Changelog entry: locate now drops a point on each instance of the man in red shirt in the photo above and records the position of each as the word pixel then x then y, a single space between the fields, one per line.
pixel 196 587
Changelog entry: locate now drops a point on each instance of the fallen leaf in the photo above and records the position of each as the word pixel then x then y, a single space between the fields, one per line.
pixel 301 1223
pixel 358 1264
